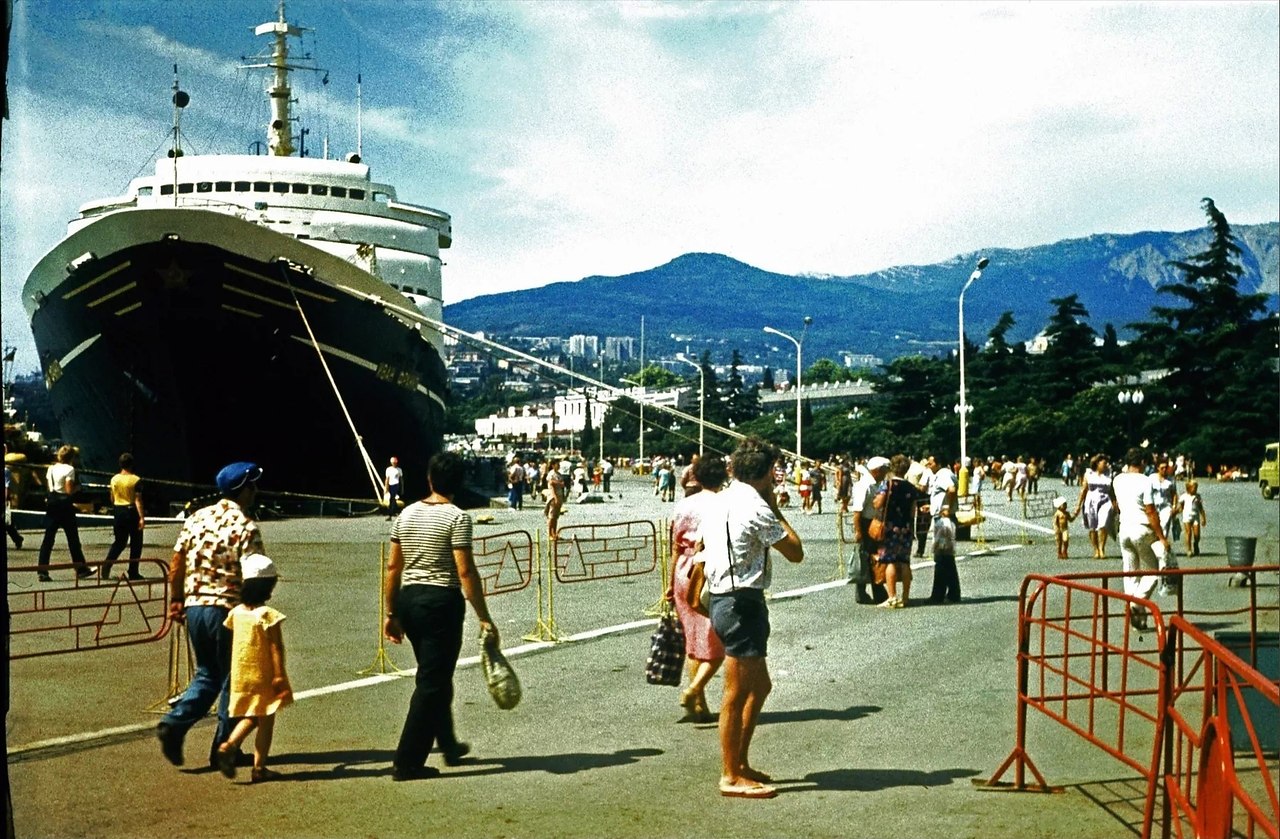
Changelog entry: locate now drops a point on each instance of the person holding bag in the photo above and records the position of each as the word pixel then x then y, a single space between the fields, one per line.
pixel 702 647
pixel 430 573
pixel 737 533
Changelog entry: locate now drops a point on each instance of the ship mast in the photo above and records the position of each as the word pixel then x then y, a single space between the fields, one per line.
pixel 279 133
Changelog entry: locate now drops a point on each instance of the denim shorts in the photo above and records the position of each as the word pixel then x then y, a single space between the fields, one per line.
pixel 741 619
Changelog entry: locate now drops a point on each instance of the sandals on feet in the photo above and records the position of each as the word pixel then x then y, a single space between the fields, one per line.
pixel 747 790
pixel 264 774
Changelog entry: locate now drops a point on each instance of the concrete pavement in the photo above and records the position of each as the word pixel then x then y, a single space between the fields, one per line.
pixel 878 721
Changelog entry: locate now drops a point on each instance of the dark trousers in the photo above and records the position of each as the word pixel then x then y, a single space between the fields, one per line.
pixel 865 577
pixel 60 514
pixel 12 530
pixel 431 617
pixel 124 523
pixel 946 580
pixel 393 493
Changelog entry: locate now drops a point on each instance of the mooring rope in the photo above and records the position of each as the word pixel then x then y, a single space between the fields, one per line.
pixel 374 478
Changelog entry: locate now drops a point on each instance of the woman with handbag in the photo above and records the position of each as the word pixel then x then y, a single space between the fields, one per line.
pixel 738 533
pixel 896 504
pixel 702 646
pixel 431 575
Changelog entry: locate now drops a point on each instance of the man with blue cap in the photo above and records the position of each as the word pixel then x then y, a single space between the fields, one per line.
pixel 204 585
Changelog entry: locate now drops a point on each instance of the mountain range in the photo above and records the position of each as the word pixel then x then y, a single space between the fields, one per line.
pixel 711 301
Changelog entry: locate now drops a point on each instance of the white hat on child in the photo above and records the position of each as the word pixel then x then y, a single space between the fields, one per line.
pixel 257 566
pixel 1059 502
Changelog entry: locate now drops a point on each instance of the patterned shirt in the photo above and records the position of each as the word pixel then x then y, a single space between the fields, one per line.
pixel 213 539
pixel 427 535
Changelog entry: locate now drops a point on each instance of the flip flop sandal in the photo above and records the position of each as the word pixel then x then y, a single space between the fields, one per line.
pixel 747 791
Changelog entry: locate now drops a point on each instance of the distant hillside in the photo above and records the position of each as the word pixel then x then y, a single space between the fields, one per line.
pixel 722 303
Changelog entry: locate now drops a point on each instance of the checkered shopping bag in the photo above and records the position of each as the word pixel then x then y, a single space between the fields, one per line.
pixel 666 653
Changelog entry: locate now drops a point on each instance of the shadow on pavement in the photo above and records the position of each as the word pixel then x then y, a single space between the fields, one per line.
pixel 995 598
pixel 561 764
pixel 1123 799
pixel 870 780
pixel 331 766
pixel 853 712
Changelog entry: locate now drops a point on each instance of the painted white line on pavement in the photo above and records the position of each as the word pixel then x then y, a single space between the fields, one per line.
pixel 1019 522
pixel 463 663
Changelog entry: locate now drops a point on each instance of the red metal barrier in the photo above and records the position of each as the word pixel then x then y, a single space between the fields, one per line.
pixel 504 561
pixel 1083 665
pixel 1202 782
pixel 74 615
pixel 585 552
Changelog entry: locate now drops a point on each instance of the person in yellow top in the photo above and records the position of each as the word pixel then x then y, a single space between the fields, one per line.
pixel 259 685
pixel 128 519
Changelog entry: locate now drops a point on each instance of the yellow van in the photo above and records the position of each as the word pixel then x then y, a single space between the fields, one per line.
pixel 1269 472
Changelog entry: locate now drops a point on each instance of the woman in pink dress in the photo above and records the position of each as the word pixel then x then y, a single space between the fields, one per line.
pixel 701 645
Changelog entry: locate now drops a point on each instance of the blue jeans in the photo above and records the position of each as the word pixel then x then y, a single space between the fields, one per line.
pixel 211 643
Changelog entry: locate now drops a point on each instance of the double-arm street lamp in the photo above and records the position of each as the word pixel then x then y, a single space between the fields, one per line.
pixel 702 400
pixel 799 345
pixel 963 409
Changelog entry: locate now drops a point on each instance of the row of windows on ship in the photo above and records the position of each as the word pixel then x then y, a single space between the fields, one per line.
pixel 278 187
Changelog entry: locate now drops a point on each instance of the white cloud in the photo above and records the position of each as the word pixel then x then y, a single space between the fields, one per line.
pixel 574 138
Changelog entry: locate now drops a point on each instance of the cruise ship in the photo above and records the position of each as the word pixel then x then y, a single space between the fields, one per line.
pixel 248 307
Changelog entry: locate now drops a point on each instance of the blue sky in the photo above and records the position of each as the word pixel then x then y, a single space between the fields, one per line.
pixel 590 137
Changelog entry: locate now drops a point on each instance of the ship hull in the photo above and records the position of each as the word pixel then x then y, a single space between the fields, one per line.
pixel 182 336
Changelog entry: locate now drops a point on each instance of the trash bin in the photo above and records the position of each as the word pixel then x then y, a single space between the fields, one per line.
pixel 1241 550
pixel 1264 716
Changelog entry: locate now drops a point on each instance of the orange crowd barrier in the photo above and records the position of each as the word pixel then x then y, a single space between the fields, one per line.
pixel 1082 664
pixel 72 615
pixel 1216 766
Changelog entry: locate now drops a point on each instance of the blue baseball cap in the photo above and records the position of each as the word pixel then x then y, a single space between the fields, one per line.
pixel 235 475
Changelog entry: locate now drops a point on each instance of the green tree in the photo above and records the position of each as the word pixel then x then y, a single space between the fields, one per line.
pixel 1219 397
pixel 1070 362
pixel 825 370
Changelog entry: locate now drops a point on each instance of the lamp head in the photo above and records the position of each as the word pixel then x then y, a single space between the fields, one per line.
pixel 807 320
pixel 983 263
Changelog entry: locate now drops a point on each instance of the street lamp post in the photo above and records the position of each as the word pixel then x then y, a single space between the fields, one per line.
pixel 639 457
pixel 799 345
pixel 702 401
pixel 963 409
pixel 1135 398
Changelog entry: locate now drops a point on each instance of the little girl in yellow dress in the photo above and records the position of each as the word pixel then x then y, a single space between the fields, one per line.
pixel 259 684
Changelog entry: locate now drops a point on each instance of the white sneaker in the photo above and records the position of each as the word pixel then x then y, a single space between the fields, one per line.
pixel 891 603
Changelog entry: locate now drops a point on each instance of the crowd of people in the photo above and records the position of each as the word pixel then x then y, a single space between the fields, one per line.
pixel 730 520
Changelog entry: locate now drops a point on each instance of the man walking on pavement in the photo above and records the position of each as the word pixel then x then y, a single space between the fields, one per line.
pixel 394 479
pixel 204 585
pixel 862 504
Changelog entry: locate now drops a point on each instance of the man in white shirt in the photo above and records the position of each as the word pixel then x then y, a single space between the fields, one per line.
pixel 394 479
pixel 1139 531
pixel 941 487
pixel 862 503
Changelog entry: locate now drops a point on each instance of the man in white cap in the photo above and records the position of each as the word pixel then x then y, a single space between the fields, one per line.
pixel 861 502
pixel 204 585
